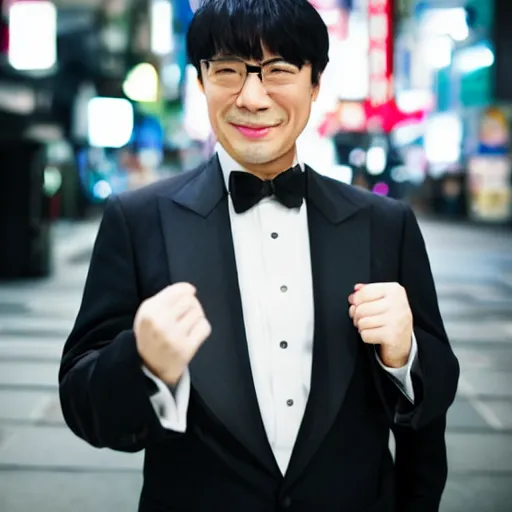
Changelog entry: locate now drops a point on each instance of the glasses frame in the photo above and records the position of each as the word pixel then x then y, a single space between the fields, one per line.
pixel 250 69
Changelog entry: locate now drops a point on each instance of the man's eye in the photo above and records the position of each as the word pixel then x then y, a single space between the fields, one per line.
pixel 225 70
pixel 281 70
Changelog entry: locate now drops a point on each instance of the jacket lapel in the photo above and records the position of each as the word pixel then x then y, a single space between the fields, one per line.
pixel 340 257
pixel 199 246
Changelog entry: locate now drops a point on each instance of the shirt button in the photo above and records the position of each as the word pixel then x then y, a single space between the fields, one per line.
pixel 274 235
pixel 289 403
pixel 283 344
pixel 284 289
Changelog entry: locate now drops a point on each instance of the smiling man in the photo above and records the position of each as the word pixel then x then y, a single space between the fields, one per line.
pixel 256 328
pixel 254 124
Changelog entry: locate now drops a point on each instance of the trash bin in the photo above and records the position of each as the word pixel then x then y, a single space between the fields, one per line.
pixel 25 227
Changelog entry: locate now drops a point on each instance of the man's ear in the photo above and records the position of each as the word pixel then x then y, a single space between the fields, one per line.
pixel 316 89
pixel 200 85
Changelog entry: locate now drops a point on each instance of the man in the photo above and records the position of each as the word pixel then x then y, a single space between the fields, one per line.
pixel 255 327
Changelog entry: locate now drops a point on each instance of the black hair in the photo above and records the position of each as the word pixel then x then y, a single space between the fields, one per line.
pixel 292 29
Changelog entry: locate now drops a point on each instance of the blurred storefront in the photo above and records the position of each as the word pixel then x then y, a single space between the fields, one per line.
pixel 130 121
pixel 489 183
pixel 449 54
pixel 359 112
pixel 91 104
pixel 404 98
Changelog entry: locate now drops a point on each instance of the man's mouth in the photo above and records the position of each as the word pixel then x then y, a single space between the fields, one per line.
pixel 253 131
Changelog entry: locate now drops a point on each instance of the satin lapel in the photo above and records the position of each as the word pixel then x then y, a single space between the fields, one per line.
pixel 199 245
pixel 339 233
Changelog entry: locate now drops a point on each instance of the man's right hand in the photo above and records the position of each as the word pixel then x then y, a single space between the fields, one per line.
pixel 169 329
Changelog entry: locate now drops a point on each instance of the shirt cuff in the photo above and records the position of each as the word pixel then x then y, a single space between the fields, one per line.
pixel 402 376
pixel 171 406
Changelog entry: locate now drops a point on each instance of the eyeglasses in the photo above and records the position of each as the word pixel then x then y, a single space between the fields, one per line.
pixel 232 73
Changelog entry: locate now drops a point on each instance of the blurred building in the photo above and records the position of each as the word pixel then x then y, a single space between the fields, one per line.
pixel 91 103
pixel 409 88
pixel 449 51
pixel 97 97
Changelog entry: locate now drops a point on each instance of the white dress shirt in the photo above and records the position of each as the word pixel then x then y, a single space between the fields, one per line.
pixel 271 244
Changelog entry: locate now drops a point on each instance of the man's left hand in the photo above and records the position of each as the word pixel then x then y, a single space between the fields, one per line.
pixel 381 313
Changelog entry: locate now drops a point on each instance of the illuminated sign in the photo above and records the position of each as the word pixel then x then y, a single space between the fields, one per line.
pixel 380 30
pixel 32 35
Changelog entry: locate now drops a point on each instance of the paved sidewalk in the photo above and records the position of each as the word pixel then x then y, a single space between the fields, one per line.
pixel 44 467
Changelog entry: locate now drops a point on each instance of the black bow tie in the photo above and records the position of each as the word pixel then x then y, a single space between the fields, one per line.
pixel 247 190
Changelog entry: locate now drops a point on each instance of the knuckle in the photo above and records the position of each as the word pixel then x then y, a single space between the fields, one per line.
pixel 144 309
pixel 364 323
pixel 186 303
pixel 177 289
pixel 167 292
pixel 185 288
pixel 360 312
pixel 204 330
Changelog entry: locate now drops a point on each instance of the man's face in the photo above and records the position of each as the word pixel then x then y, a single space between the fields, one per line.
pixel 259 123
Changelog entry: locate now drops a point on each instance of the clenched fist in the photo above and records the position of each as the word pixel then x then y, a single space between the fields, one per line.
pixel 169 329
pixel 381 313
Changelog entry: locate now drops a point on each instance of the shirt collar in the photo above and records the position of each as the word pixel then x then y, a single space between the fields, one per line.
pixel 229 164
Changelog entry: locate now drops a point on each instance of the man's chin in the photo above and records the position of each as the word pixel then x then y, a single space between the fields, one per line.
pixel 257 156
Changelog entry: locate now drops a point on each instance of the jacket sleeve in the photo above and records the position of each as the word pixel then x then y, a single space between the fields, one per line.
pixel 421 466
pixel 104 393
pixel 435 373
pixel 419 428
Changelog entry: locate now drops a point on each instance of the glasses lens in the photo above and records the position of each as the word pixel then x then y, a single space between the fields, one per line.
pixel 280 73
pixel 227 73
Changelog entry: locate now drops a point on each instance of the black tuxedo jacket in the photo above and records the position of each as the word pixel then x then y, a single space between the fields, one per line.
pixel 179 230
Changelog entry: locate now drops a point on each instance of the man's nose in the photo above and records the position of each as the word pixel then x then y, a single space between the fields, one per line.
pixel 253 95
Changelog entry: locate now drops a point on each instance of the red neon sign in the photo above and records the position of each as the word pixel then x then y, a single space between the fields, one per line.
pixel 380 29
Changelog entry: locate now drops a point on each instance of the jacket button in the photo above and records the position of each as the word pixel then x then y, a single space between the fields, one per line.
pixel 286 502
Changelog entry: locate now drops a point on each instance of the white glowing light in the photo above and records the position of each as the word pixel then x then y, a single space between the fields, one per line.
pixel 110 122
pixel 33 35
pixel 447 21
pixel 102 189
pixel 474 58
pixel 161 27
pixel 443 138
pixel 376 160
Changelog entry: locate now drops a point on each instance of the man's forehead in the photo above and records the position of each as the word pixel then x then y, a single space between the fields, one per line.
pixel 267 56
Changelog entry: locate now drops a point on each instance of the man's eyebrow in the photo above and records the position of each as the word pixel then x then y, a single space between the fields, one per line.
pixel 273 60
pixel 221 58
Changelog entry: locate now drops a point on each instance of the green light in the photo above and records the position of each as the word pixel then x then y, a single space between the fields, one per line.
pixel 52 181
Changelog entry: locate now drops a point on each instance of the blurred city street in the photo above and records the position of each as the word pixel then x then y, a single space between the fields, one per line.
pixel 44 467
pixel 407 99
